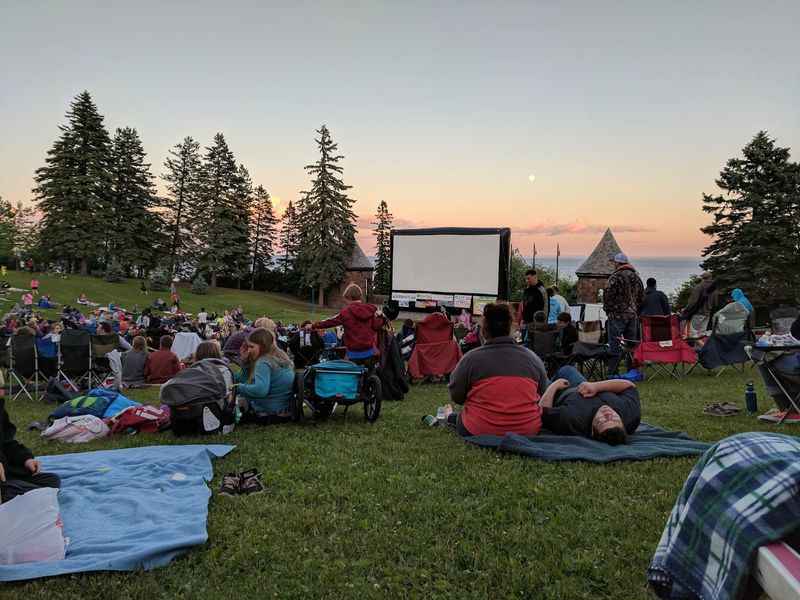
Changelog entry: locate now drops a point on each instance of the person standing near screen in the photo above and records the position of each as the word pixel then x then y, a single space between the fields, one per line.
pixel 534 299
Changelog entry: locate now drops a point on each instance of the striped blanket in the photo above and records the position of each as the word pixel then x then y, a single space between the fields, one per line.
pixel 741 494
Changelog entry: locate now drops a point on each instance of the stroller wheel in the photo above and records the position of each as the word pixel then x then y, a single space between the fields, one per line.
pixel 372 398
pixel 323 410
pixel 298 400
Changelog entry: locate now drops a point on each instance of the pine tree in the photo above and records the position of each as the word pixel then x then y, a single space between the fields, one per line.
pixel 239 233
pixel 134 229
pixel 180 209
pixel 383 248
pixel 262 231
pixel 74 186
pixel 327 231
pixel 756 239
pixel 8 231
pixel 26 231
pixel 222 226
pixel 289 238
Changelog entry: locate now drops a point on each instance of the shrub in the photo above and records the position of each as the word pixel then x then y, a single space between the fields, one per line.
pixel 199 285
pixel 159 281
pixel 115 273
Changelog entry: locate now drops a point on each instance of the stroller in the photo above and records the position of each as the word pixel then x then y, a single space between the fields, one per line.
pixel 202 398
pixel 324 386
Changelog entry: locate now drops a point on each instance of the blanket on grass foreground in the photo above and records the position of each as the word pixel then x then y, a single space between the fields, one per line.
pixel 648 442
pixel 740 495
pixel 136 508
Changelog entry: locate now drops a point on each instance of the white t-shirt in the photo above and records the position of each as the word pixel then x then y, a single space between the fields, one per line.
pixel 202 318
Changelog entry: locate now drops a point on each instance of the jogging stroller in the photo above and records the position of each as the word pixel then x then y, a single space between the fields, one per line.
pixel 324 386
pixel 202 398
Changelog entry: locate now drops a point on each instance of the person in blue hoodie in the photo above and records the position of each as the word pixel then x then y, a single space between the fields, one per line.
pixel 265 383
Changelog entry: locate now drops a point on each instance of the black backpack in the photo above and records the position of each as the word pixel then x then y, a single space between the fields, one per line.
pixel 57 393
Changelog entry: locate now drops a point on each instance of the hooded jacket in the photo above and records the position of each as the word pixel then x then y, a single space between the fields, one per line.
pixel 655 303
pixel 361 325
pixel 12 454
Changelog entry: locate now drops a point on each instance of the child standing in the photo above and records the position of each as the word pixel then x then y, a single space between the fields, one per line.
pixel 361 322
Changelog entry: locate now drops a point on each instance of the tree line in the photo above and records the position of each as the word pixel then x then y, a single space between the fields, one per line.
pixel 100 212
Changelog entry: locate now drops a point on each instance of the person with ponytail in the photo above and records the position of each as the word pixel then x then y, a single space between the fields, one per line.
pixel 265 383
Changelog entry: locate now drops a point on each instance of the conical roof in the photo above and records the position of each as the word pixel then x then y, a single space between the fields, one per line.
pixel 359 261
pixel 601 261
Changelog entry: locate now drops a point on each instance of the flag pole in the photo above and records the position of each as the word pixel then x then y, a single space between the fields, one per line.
pixel 533 258
pixel 558 254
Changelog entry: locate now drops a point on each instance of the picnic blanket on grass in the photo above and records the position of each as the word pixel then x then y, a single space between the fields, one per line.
pixel 123 510
pixel 648 442
pixel 740 495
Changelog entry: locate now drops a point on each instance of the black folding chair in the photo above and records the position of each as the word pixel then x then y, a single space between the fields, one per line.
pixel 102 346
pixel 23 366
pixel 544 346
pixel 75 358
pixel 789 385
pixel 590 359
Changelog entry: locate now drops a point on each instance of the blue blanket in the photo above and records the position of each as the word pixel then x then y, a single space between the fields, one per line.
pixel 137 508
pixel 648 442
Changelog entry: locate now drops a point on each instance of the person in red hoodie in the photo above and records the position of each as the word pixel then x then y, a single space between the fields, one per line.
pixel 361 322
pixel 163 364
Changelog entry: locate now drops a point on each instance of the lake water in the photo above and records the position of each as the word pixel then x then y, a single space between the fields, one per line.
pixel 670 273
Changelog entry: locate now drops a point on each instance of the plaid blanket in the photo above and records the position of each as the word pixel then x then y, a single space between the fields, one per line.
pixel 741 494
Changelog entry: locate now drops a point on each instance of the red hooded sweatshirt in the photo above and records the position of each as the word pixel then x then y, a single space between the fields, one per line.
pixel 360 326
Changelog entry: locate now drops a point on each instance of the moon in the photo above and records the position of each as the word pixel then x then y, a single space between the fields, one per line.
pixel 531 177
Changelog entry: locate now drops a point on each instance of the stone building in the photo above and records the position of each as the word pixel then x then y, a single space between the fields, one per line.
pixel 359 271
pixel 593 274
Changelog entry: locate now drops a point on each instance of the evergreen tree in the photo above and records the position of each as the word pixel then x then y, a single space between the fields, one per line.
pixel 327 221
pixel 26 232
pixel 222 228
pixel 383 248
pixel 289 238
pixel 74 187
pixel 133 228
pixel 8 231
pixel 180 209
pixel 756 239
pixel 262 231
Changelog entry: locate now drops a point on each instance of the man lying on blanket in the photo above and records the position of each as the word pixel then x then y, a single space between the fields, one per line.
pixel 606 411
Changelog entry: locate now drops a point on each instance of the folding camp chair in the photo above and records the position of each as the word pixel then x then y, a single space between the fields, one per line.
pixel 725 347
pixel 102 346
pixel 544 345
pixel 662 348
pixel 47 351
pixel 789 385
pixel 590 359
pixel 23 366
pixel 75 358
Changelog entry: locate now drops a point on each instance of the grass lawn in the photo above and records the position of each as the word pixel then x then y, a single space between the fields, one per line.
pixel 397 509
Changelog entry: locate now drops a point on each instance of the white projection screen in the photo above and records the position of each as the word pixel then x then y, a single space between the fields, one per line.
pixel 464 261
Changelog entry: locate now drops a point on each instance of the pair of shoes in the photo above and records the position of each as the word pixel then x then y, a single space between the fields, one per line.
pixel 721 409
pixel 244 483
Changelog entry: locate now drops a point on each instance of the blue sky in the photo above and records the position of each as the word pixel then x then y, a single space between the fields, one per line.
pixel 624 111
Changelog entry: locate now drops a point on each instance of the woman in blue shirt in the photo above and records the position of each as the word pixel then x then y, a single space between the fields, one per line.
pixel 266 381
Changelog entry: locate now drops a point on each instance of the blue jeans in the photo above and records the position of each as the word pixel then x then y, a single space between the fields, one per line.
pixel 571 374
pixel 627 328
pixel 787 370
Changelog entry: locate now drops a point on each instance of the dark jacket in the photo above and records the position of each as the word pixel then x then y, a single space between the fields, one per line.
pixel 655 303
pixel 12 454
pixel 360 324
pixel 306 348
pixel 161 366
pixel 703 300
pixel 624 294
pixel 534 299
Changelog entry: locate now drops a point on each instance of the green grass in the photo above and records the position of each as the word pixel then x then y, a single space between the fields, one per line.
pixel 397 509
pixel 127 295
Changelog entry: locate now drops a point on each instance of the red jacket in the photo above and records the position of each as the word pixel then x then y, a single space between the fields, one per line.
pixel 161 366
pixel 361 326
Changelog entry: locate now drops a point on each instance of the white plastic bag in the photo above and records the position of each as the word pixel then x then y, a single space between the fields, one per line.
pixel 80 429
pixel 32 528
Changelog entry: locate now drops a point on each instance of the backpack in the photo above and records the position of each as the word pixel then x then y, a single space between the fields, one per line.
pixel 57 393
pixel 82 405
pixel 144 419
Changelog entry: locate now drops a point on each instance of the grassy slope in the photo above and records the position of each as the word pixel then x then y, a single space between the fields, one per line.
pixel 127 295
pixel 398 509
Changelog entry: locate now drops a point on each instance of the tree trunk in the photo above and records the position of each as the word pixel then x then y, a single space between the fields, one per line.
pixel 321 296
pixel 84 267
pixel 213 279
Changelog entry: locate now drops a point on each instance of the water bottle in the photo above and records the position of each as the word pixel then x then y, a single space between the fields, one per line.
pixel 430 420
pixel 750 399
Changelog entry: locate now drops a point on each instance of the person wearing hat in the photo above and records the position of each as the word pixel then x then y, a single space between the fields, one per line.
pixel 622 300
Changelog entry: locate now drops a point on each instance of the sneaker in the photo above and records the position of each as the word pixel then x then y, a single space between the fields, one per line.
pixel 231 485
pixel 251 485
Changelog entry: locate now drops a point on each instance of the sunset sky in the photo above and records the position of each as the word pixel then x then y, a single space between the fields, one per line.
pixel 624 111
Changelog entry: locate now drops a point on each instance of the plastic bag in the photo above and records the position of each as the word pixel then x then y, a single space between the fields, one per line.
pixel 32 528
pixel 77 430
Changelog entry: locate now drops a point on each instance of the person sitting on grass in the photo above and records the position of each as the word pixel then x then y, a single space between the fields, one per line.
pixel 361 322
pixel 607 411
pixel 266 382
pixel 499 383
pixel 133 363
pixel 20 472
pixel 163 364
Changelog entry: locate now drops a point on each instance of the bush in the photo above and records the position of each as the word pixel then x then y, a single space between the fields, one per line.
pixel 115 273
pixel 199 285
pixel 159 281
